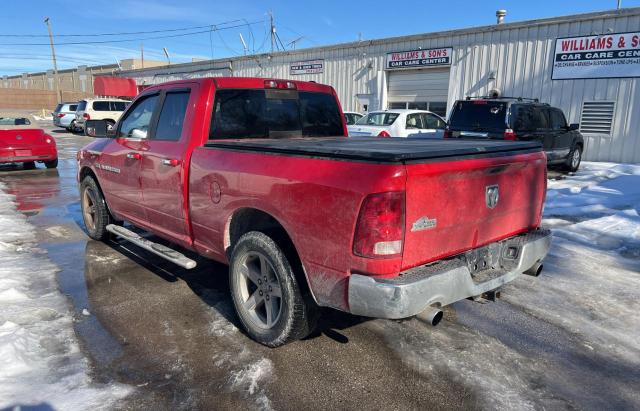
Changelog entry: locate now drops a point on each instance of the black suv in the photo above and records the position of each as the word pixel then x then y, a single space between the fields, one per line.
pixel 517 118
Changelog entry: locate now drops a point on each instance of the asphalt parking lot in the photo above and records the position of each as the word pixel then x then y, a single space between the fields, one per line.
pixel 564 340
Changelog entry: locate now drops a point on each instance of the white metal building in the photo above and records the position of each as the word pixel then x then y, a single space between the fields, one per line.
pixel 587 64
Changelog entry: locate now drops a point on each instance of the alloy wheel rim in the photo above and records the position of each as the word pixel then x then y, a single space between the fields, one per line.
pixel 260 290
pixel 89 208
pixel 576 158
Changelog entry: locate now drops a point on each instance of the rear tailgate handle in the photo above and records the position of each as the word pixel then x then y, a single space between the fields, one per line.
pixel 172 162
pixel 134 156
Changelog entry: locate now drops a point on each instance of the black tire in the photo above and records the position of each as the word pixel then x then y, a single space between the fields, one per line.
pixel 95 213
pixel 72 127
pixel 29 165
pixel 573 159
pixel 51 164
pixel 296 315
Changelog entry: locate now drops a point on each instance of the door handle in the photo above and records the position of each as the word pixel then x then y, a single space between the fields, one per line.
pixel 134 156
pixel 172 162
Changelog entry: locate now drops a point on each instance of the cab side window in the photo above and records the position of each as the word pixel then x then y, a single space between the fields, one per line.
pixel 432 122
pixel 172 116
pixel 139 118
pixel 414 121
pixel 558 122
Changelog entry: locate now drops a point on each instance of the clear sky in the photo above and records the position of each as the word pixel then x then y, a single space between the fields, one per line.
pixel 313 23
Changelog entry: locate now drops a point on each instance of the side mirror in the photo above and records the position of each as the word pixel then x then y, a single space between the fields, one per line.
pixel 96 128
pixel 574 126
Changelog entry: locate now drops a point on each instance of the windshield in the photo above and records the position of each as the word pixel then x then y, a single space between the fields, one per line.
pixel 478 115
pixel 251 113
pixel 57 109
pixel 378 119
pixel 82 105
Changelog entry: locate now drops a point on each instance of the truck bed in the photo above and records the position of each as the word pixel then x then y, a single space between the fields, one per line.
pixel 380 150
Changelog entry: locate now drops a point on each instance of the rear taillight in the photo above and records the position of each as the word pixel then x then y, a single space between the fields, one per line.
pixel 60 115
pixel 380 227
pixel 447 133
pixel 383 134
pixel 86 116
pixel 510 135
pixel 48 139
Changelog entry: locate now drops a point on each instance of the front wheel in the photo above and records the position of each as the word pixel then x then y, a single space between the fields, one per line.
pixel 266 294
pixel 574 159
pixel 95 214
pixel 51 164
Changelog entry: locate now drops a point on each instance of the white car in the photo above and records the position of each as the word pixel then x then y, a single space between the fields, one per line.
pixel 399 123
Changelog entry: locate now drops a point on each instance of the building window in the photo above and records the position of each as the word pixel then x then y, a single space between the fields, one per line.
pixel 597 117
pixel 438 107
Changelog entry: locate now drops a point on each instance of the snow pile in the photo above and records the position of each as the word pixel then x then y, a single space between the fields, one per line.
pixel 40 360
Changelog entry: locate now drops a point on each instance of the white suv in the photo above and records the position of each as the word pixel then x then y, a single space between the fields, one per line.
pixel 108 109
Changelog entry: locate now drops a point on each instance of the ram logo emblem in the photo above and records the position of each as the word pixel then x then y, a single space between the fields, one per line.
pixel 492 195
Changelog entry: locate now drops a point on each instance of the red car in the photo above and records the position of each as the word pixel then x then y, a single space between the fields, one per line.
pixel 20 143
pixel 259 174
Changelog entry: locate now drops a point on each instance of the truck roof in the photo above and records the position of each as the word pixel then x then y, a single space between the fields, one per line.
pixel 248 82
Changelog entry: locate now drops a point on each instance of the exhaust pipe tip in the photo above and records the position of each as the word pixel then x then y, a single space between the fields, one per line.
pixel 535 270
pixel 431 316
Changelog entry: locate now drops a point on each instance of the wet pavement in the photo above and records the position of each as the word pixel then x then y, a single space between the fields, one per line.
pixel 172 335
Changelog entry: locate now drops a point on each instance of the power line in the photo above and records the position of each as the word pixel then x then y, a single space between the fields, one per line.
pixel 215 28
pixel 124 33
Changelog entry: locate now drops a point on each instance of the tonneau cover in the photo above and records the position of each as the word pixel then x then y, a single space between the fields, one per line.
pixel 377 149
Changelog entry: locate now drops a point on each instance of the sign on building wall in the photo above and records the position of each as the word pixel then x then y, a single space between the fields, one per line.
pixel 306 67
pixel 418 58
pixel 604 56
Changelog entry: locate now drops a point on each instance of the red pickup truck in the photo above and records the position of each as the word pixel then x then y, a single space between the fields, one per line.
pixel 259 174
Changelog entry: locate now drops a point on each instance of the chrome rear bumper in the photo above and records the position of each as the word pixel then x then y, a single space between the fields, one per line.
pixel 447 281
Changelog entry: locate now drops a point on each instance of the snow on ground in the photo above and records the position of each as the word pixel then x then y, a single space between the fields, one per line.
pixel 589 292
pixel 591 281
pixel 40 359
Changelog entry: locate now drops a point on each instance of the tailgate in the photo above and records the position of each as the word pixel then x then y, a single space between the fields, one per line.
pixel 454 206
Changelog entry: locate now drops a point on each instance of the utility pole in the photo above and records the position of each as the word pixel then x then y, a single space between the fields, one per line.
pixel 166 53
pixel 55 64
pixel 142 55
pixel 619 4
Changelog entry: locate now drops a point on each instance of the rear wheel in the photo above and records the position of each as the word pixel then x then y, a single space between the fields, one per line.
pixel 51 164
pixel 95 214
pixel 72 127
pixel 574 159
pixel 266 294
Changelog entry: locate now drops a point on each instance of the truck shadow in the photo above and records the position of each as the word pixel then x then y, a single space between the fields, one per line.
pixel 209 280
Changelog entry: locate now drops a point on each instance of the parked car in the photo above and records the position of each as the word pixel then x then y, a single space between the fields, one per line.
pixel 108 109
pixel 352 117
pixel 251 172
pixel 519 119
pixel 64 115
pixel 399 123
pixel 21 143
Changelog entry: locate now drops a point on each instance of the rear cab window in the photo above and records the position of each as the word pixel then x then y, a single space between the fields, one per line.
pixel 271 113
pixel 477 115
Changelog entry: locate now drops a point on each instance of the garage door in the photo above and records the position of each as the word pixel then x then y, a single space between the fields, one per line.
pixel 419 89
